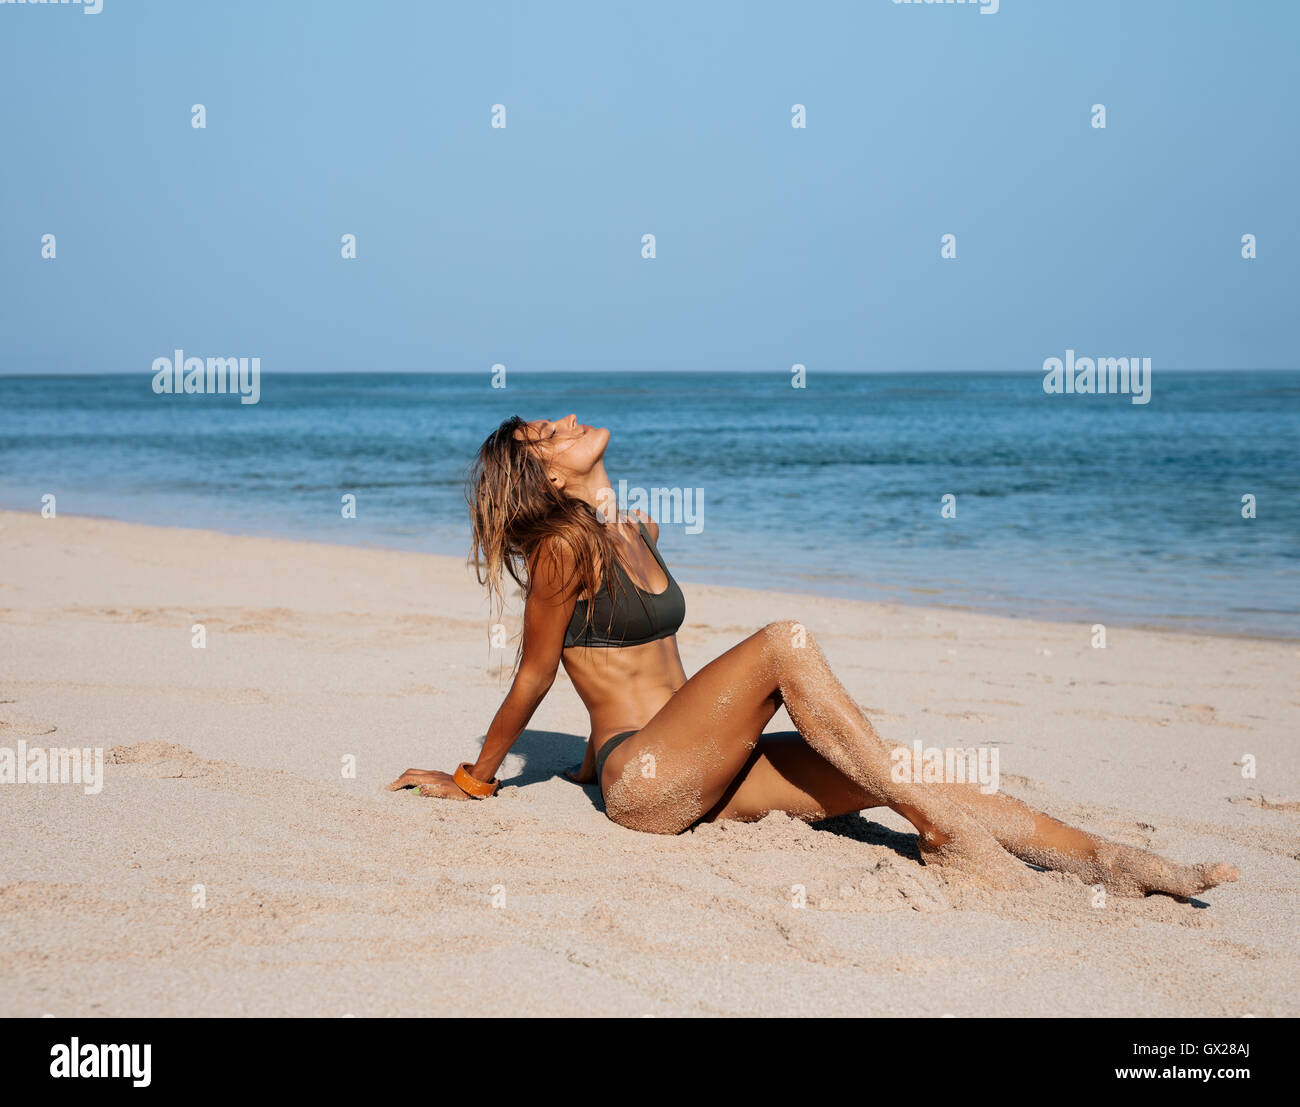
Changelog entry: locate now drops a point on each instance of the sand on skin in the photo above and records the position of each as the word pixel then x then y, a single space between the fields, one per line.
pixel 326 895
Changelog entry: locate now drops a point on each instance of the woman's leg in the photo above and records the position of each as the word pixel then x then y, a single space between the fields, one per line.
pixel 1041 840
pixel 681 763
pixel 784 773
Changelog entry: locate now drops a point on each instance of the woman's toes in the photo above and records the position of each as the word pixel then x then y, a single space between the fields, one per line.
pixel 1218 873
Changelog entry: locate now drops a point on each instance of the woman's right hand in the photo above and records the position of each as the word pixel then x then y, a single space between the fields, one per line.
pixel 430 783
pixel 580 774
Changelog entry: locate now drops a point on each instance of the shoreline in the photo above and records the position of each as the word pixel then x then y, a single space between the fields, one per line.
pixel 1196 631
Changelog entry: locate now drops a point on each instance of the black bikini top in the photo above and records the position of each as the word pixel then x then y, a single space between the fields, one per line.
pixel 638 616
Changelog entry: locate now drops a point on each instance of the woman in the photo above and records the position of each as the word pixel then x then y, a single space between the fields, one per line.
pixel 668 751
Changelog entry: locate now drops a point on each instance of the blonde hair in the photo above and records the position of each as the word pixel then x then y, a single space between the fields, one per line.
pixel 522 524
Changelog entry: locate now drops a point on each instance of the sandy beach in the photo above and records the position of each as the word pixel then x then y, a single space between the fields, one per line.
pixel 231 866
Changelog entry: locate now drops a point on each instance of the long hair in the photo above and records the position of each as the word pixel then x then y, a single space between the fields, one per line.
pixel 514 509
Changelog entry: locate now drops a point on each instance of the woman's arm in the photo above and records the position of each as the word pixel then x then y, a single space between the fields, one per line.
pixel 546 617
pixel 543 644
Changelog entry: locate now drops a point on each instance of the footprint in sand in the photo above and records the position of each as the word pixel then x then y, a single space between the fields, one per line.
pixel 1268 803
pixel 158 760
pixel 25 727
pixel 889 886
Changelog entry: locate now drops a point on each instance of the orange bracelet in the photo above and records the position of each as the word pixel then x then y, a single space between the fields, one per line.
pixel 472 786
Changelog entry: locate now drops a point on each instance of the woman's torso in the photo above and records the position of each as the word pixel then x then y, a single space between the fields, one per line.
pixel 624 686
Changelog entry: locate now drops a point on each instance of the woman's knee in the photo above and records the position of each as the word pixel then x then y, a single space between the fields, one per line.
pixel 788 640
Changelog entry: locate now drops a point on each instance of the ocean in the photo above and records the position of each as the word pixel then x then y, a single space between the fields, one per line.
pixel 1078 507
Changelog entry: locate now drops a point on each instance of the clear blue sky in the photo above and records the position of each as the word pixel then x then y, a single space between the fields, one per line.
pixel 523 246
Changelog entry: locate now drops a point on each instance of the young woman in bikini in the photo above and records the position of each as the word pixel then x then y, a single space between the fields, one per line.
pixel 668 751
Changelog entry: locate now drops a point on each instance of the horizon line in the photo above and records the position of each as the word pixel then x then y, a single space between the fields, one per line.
pixel 659 372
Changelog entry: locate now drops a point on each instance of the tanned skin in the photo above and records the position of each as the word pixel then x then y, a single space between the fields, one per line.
pixel 704 737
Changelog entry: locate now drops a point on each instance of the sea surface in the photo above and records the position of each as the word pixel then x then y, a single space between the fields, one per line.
pixel 1088 508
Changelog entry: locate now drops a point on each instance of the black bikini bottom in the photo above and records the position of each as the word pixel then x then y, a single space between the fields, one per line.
pixel 604 753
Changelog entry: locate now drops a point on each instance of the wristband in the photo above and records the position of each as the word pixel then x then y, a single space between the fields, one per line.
pixel 472 786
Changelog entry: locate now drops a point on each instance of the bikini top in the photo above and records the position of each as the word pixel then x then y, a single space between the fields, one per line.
pixel 638 616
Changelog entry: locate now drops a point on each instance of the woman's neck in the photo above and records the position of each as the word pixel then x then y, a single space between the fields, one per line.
pixel 596 490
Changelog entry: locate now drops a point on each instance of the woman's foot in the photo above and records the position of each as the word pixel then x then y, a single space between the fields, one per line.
pixel 1127 870
pixel 1130 871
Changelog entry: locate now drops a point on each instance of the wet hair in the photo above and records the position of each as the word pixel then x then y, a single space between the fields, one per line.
pixel 521 521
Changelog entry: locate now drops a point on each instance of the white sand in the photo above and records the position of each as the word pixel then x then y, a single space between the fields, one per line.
pixel 330 896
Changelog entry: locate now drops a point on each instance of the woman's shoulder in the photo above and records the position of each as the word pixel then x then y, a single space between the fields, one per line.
pixel 551 568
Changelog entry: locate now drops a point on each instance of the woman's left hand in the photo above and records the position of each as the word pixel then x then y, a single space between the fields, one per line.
pixel 430 783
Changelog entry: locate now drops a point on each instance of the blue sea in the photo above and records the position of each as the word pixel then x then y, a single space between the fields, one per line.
pixel 1077 507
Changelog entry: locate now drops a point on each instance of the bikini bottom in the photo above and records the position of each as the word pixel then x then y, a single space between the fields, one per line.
pixel 604 753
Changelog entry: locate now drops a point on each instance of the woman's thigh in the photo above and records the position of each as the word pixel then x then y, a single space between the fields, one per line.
pixel 681 763
pixel 784 773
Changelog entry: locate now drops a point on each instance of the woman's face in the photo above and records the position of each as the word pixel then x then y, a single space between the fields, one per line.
pixel 568 449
